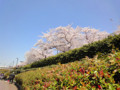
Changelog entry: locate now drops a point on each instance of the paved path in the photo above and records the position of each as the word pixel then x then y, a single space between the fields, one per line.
pixel 4 85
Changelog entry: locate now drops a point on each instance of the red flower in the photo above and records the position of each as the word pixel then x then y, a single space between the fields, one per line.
pixel 70 75
pixel 75 88
pixel 99 87
pixel 37 82
pixel 72 70
pixel 82 70
pixel 101 73
pixel 46 85
pixel 93 86
pixel 57 79
pixel 117 58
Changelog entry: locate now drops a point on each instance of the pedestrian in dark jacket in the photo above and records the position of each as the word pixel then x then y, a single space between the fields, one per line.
pixel 11 77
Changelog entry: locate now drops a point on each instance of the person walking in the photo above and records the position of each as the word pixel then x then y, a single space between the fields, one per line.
pixel 11 77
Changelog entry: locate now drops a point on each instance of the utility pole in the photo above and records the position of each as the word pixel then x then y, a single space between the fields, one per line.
pixel 13 63
pixel 16 62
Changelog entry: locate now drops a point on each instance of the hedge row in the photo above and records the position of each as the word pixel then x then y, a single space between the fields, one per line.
pixel 103 46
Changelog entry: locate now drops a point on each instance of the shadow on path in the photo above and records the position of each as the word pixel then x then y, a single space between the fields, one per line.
pixel 5 85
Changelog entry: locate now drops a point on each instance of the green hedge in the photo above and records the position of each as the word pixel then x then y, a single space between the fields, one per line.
pixel 103 46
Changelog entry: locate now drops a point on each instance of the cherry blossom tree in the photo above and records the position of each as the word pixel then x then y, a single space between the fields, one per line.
pixel 67 38
pixel 92 35
pixel 36 54
pixel 31 56
pixel 43 49
pixel 118 30
pixel 63 39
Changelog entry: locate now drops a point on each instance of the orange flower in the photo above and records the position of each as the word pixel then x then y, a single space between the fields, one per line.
pixel 108 75
pixel 118 88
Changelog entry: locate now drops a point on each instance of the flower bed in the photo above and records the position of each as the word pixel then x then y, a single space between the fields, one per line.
pixel 90 73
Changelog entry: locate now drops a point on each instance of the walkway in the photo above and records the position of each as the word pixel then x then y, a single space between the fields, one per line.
pixel 4 85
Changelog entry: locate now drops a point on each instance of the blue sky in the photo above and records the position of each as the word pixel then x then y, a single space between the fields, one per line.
pixel 22 21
